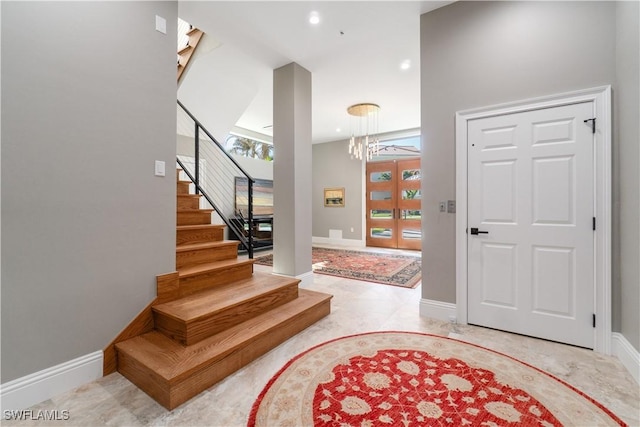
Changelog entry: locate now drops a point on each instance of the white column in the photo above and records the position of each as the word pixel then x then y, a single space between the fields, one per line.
pixel 292 172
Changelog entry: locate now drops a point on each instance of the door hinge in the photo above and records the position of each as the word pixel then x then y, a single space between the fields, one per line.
pixel 593 124
pixel 594 222
pixel 594 320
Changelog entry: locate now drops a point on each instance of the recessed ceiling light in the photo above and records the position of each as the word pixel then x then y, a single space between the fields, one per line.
pixel 405 65
pixel 314 18
pixel 338 129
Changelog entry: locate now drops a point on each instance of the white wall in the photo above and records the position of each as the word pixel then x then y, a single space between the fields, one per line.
pixel 88 105
pixel 258 169
pixel 214 88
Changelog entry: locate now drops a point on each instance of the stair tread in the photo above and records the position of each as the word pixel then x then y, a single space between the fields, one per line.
pixel 210 301
pixel 194 270
pixel 190 210
pixel 184 49
pixel 205 245
pixel 174 362
pixel 198 226
pixel 191 196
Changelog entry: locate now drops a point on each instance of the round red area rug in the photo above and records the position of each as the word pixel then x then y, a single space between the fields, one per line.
pixel 413 379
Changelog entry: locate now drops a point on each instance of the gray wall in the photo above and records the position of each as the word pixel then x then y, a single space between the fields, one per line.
pixel 626 173
pixel 332 167
pixel 88 104
pixel 475 54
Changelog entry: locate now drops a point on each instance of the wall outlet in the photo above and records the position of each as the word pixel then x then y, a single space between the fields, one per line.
pixel 352 229
pixel 335 234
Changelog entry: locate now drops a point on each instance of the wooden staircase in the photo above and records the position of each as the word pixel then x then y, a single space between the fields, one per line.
pixel 185 53
pixel 212 317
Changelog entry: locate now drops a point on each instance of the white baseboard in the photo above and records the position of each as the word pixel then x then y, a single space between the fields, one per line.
pixel 438 310
pixel 338 242
pixel 306 279
pixel 628 355
pixel 27 391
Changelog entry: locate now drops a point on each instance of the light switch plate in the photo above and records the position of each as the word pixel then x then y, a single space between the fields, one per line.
pixel 443 206
pixel 161 24
pixel 159 168
pixel 451 206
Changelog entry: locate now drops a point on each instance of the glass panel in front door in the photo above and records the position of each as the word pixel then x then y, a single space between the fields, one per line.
pixel 381 214
pixel 412 233
pixel 411 175
pixel 380 176
pixel 410 214
pixel 381 233
pixel 381 195
pixel 411 195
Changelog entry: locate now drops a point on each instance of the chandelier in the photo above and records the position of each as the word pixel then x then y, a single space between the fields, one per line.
pixel 364 142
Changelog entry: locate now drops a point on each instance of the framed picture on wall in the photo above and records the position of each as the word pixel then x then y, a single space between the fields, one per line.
pixel 334 197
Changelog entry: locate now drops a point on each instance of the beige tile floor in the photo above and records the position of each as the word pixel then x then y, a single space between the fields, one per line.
pixel 356 307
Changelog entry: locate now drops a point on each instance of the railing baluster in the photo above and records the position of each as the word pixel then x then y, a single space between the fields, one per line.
pixel 250 207
pixel 197 157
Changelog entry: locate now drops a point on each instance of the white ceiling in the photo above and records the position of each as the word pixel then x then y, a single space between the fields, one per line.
pixel 354 55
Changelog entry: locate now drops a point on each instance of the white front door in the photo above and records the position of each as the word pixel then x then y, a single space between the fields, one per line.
pixel 531 199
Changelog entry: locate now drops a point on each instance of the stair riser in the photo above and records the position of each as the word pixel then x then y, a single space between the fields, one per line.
pixel 200 329
pixel 194 218
pixel 209 375
pixel 143 377
pixel 201 256
pixel 188 202
pixel 196 381
pixel 183 188
pixel 190 285
pixel 197 236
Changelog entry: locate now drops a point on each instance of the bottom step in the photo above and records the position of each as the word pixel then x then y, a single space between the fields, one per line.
pixel 172 373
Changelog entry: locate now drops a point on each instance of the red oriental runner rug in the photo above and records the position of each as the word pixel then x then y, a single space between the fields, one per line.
pixel 388 269
pixel 413 379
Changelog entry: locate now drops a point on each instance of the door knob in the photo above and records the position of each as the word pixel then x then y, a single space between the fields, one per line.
pixel 475 231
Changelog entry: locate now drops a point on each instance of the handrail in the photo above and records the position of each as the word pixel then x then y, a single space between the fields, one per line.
pixel 215 141
pixel 248 241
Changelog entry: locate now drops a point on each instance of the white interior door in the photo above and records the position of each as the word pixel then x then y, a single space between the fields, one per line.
pixel 531 189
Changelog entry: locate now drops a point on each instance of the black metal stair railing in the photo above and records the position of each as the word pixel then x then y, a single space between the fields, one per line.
pixel 212 171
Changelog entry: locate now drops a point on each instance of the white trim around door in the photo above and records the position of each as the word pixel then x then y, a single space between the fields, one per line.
pixel 601 98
